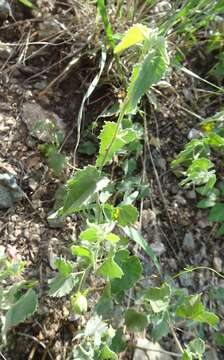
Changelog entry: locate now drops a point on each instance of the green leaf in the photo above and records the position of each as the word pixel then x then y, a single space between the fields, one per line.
pixel 219 339
pixel 199 172
pixel 108 148
pixel 57 162
pixel 97 233
pixel 193 149
pixel 215 140
pixel 113 238
pixel 147 74
pixel 127 215
pixel 217 213
pixel 216 293
pixel 186 356
pixel 88 148
pixel 118 342
pixel 135 321
pixel 160 326
pixel 93 234
pixel 220 231
pixel 133 234
pixel 193 309
pixel 21 310
pixel 27 3
pixel 196 347
pixel 82 251
pixel 131 268
pixel 96 328
pixel 64 267
pixel 61 285
pixel 81 189
pixel 159 297
pixel 208 189
pixel 209 201
pixel 110 269
pixel 104 307
pixel 137 33
pixel 107 353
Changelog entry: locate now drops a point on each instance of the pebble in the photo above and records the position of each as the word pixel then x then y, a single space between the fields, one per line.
pixel 217 263
pixel 4 10
pixel 173 264
pixel 211 355
pixel 194 134
pixel 148 219
pixel 10 192
pixel 203 223
pixel 187 280
pixel 180 200
pixel 158 248
pixel 42 124
pixel 5 51
pixel 188 242
pixel 153 351
pixel 33 184
pixel 191 195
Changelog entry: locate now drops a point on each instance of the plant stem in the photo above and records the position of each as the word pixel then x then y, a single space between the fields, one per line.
pixel 83 278
pixel 197 268
pixel 176 338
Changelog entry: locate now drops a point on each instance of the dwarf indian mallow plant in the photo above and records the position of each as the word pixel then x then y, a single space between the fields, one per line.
pixel 102 254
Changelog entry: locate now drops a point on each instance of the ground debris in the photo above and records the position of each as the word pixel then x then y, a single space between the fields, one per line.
pixel 153 351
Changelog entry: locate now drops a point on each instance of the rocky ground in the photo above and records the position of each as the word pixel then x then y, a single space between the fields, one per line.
pixel 46 60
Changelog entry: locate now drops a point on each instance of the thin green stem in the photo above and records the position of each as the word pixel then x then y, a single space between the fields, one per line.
pixel 83 278
pixel 197 268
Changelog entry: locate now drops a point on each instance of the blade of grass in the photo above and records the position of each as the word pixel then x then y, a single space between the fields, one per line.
pixel 90 90
pixel 109 33
pixel 103 12
pixel 191 73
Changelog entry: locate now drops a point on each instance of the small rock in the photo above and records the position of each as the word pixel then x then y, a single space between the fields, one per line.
pixel 203 223
pixel 186 280
pixel 211 355
pixel 33 184
pixel 191 195
pixel 163 6
pixel 188 94
pixel 5 50
pixel 194 134
pixel 48 28
pixel 55 222
pixel 180 199
pixel 172 263
pixel 40 85
pixel 158 248
pixel 4 10
pixel 188 242
pixel 10 192
pixel 217 263
pixel 174 189
pixel 153 351
pixel 148 219
pixel 42 124
pixel 31 142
